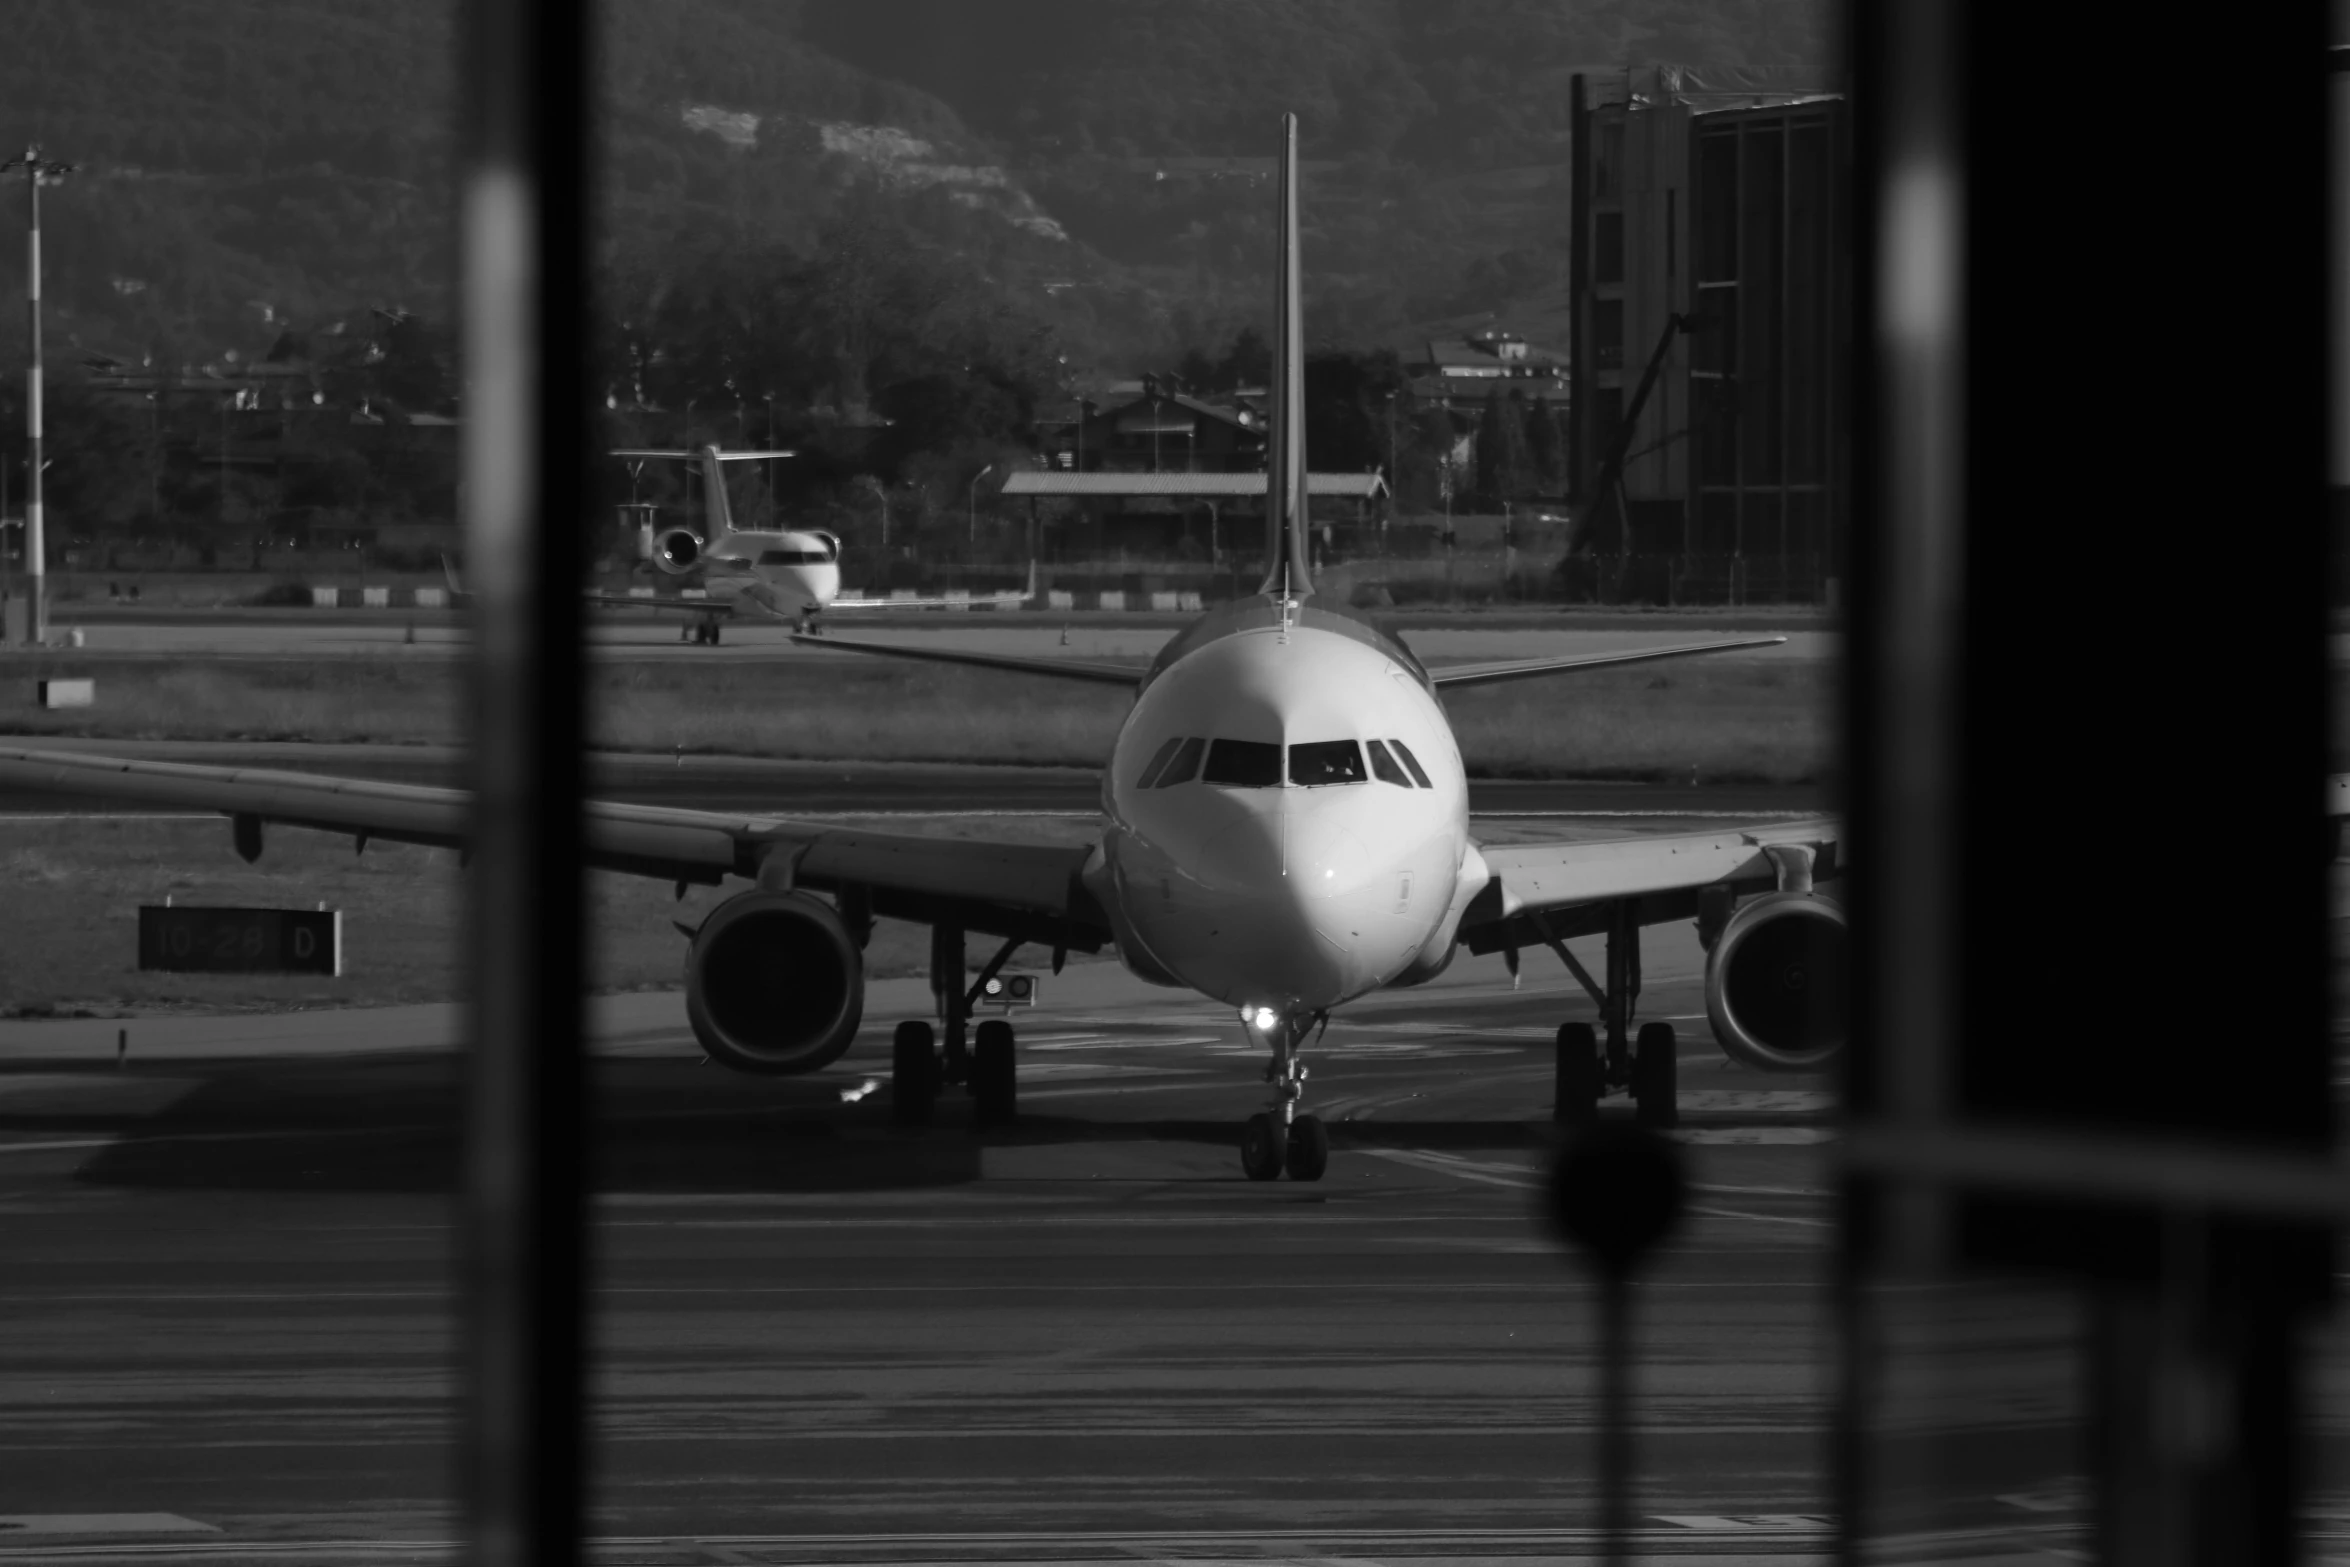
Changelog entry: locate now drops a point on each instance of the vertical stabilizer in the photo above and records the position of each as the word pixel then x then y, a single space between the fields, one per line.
pixel 718 516
pixel 1286 554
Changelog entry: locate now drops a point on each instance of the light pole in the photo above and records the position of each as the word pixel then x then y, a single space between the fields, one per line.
pixel 1383 516
pixel 37 171
pixel 882 495
pixel 774 512
pixel 971 539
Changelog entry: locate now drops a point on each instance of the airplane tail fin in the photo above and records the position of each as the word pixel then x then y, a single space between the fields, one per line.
pixel 1287 557
pixel 719 515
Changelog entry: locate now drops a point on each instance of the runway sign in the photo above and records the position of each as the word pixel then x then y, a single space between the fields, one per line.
pixel 69 693
pixel 184 939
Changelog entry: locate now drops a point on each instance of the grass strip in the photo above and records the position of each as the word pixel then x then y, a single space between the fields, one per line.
pixel 1725 721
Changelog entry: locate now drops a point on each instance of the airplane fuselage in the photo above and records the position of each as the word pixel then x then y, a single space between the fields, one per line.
pixel 782 572
pixel 1314 845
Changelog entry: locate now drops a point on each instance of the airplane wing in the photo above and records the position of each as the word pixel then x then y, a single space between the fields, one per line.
pixel 1565 889
pixel 461 595
pixel 1521 668
pixel 1009 600
pixel 1006 889
pixel 1058 668
pixel 674 606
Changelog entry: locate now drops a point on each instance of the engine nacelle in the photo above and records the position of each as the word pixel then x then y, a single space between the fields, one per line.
pixel 677 550
pixel 1775 983
pixel 774 983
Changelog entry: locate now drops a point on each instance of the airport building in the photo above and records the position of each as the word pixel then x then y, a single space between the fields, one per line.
pixel 1709 261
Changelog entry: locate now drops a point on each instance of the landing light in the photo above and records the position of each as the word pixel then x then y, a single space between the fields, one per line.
pixel 1261 1018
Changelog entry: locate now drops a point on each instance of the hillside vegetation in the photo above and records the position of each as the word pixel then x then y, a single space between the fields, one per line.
pixel 248 163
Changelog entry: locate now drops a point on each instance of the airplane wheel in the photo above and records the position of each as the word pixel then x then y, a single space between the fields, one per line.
pixel 1261 1147
pixel 1656 1076
pixel 994 1077
pixel 1309 1148
pixel 913 1073
pixel 1578 1075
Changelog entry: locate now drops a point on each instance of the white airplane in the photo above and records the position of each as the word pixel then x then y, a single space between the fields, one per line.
pixel 1287 830
pixel 767 573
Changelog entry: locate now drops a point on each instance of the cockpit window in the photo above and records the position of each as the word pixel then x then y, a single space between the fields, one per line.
pixel 1326 762
pixel 1244 764
pixel 1419 773
pixel 1185 764
pixel 1150 774
pixel 793 557
pixel 1385 766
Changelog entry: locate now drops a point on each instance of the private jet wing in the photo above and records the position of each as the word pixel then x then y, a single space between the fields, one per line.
pixel 1006 889
pixel 704 607
pixel 672 604
pixel 1010 599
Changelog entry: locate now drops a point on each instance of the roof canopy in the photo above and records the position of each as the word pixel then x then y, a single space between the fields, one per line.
pixel 1205 486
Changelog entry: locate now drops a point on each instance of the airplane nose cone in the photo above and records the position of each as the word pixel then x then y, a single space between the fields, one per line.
pixel 1295 855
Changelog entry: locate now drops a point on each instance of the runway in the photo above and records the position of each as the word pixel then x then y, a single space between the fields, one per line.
pixel 771 786
pixel 820 1337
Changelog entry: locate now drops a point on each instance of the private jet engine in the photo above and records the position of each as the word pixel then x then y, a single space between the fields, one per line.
pixel 1775 983
pixel 774 983
pixel 677 550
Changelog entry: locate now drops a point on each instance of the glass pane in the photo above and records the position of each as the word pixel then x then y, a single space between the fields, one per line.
pixel 1714 204
pixel 1244 764
pixel 1185 764
pixel 1385 765
pixel 1166 754
pixel 1607 247
pixel 1761 267
pixel 1607 334
pixel 1325 762
pixel 1419 773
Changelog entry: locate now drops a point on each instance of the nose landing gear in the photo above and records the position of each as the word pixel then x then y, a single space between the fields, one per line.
pixel 1278 1138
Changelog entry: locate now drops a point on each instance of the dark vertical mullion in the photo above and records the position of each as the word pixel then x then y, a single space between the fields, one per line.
pixel 1785 373
pixel 1579 381
pixel 524 249
pixel 1740 393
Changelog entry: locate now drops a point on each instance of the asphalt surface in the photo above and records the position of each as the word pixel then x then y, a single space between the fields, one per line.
pixel 763 785
pixel 231 1321
pixel 820 1337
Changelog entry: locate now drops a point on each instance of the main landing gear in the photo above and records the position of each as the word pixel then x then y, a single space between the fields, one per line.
pixel 1277 1138
pixel 702 633
pixel 919 1070
pixel 1588 1068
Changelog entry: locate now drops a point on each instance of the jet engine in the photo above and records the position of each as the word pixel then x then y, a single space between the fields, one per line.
pixel 1775 983
pixel 774 983
pixel 677 550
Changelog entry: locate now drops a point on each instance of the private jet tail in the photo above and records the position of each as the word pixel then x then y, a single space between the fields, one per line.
pixel 718 516
pixel 1286 554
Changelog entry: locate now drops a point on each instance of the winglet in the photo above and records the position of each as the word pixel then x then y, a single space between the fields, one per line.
pixel 457 594
pixel 1286 554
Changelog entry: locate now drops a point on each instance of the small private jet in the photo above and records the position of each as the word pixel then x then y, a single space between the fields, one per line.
pixel 787 574
pixel 1286 830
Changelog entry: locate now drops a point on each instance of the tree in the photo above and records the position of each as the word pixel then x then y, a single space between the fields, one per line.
pixel 1503 468
pixel 1546 447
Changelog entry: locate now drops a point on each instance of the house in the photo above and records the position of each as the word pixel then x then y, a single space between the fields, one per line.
pixel 1157 427
pixel 1458 372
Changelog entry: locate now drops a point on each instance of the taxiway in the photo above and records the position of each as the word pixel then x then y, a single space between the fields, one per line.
pixel 822 1337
